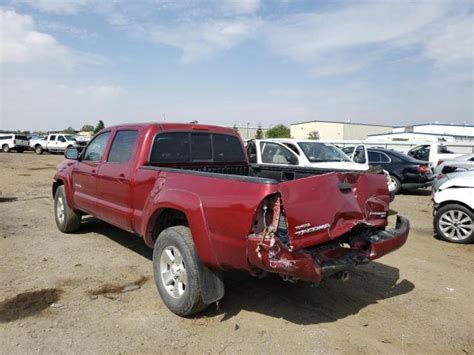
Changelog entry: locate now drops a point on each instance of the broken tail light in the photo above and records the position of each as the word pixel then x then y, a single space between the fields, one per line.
pixel 423 169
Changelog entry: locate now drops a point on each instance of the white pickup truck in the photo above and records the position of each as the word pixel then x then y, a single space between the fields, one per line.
pixel 306 153
pixel 54 143
pixel 309 154
pixel 436 153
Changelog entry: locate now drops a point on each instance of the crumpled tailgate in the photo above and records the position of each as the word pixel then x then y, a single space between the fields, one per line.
pixel 324 207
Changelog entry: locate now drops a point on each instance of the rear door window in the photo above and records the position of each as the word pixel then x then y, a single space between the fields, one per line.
pixel 374 157
pixel 122 146
pixel 384 158
pixel 52 138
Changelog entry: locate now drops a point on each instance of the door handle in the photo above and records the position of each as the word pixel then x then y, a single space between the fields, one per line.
pixel 93 172
pixel 121 178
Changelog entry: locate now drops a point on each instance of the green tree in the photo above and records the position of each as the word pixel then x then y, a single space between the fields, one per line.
pixel 99 126
pixel 313 135
pixel 259 133
pixel 69 130
pixel 87 128
pixel 279 131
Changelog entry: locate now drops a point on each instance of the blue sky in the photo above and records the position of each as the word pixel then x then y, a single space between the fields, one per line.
pixel 71 62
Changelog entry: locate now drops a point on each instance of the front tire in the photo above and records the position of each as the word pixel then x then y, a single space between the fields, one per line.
pixel 67 219
pixel 5 148
pixel 176 271
pixel 454 223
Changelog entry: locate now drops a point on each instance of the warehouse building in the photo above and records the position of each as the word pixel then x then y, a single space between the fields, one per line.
pixel 247 132
pixel 458 133
pixel 333 130
pixel 438 128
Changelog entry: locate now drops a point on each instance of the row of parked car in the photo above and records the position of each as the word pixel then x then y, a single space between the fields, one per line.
pixel 452 180
pixel 54 143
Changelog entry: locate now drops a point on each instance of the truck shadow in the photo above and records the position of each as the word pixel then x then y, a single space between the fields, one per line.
pixel 302 303
pixel 419 192
pixel 126 239
pixel 298 303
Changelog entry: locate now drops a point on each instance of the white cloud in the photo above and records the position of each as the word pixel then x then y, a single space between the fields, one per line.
pixel 350 38
pixel 241 6
pixel 40 83
pixel 452 42
pixel 21 43
pixel 58 6
pixel 199 41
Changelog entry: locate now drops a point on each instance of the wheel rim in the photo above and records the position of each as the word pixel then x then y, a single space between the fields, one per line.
pixel 393 182
pixel 456 225
pixel 173 272
pixel 38 150
pixel 60 210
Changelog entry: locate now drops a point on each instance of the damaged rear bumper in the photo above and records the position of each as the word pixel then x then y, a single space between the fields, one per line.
pixel 371 247
pixel 317 263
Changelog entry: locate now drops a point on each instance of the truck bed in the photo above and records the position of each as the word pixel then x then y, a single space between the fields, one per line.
pixel 265 174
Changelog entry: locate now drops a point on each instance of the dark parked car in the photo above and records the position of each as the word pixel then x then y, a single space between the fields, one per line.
pixel 405 172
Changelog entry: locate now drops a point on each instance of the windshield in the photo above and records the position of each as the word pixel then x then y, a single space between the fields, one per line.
pixel 322 152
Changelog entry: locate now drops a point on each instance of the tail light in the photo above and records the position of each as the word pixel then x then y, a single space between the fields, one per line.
pixel 14 141
pixel 440 162
pixel 423 169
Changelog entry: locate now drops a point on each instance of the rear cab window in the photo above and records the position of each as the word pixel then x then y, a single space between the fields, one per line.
pixel 195 147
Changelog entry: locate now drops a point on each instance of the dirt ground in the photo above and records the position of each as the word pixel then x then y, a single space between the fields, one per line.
pixel 65 293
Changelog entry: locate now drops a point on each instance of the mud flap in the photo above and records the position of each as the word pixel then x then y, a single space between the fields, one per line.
pixel 212 285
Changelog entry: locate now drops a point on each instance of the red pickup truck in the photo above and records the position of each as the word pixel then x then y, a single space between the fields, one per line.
pixel 189 191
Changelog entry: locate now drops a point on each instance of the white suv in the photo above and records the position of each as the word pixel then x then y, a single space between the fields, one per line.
pixel 453 207
pixel 12 141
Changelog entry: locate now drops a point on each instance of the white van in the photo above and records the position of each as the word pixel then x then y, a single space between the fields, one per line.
pixel 436 153
pixel 12 141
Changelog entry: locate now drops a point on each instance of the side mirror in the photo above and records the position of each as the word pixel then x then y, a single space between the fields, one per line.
pixel 293 160
pixel 72 153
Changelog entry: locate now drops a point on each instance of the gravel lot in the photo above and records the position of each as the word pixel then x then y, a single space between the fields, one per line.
pixel 62 293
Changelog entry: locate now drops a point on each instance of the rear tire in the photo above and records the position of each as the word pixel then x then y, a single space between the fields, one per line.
pixel 39 150
pixel 396 182
pixel 176 271
pixel 67 219
pixel 454 223
pixel 5 148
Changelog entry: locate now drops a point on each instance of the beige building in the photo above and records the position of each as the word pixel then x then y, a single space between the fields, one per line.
pixel 332 130
pixel 247 132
